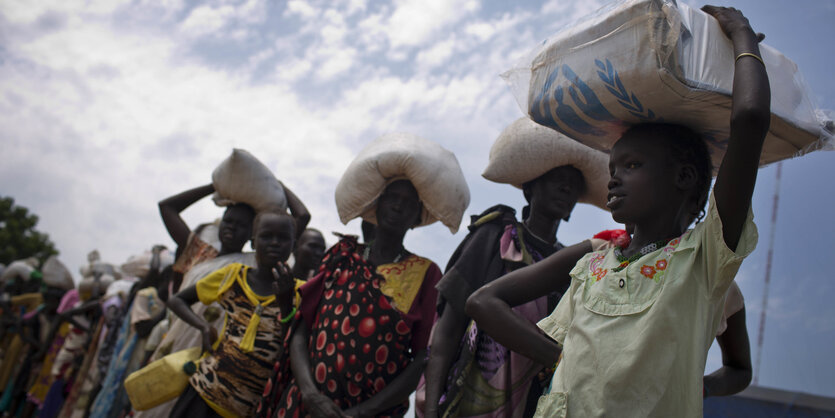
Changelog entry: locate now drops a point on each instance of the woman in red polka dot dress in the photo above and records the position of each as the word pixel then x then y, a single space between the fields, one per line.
pixel 360 346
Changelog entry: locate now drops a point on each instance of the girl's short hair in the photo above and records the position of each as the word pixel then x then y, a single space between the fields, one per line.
pixel 279 214
pixel 686 147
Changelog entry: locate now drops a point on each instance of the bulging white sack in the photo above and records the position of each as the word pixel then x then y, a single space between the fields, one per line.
pixel 21 269
pixel 56 274
pixel 432 169
pixel 526 150
pixel 241 178
pixel 639 61
pixel 139 265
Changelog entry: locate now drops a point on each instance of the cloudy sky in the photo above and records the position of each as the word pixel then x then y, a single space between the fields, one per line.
pixel 107 107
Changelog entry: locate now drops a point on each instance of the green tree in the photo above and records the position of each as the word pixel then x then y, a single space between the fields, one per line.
pixel 18 237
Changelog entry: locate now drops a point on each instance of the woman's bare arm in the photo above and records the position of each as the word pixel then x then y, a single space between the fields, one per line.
pixel 171 207
pixel 446 337
pixel 316 402
pixel 298 210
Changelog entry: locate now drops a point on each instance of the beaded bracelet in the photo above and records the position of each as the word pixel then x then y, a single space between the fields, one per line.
pixel 289 316
pixel 749 54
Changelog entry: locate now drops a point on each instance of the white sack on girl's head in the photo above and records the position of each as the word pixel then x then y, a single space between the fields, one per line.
pixel 526 150
pixel 56 274
pixel 241 178
pixel 639 61
pixel 432 169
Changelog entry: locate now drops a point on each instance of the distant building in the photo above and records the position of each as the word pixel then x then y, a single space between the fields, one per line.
pixel 761 402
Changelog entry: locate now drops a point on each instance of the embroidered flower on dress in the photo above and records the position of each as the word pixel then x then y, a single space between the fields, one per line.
pixel 661 264
pixel 648 271
pixel 594 266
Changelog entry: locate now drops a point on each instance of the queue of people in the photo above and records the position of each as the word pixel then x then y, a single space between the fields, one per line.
pixel 518 324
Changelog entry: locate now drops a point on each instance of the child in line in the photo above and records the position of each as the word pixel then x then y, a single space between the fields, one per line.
pixel 259 303
pixel 636 324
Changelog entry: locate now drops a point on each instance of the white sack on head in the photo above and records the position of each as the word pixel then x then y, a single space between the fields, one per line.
pixel 241 178
pixel 100 267
pixel 21 269
pixel 526 150
pixel 637 61
pixel 119 288
pixel 432 169
pixel 85 286
pixel 209 233
pixel 139 265
pixel 56 274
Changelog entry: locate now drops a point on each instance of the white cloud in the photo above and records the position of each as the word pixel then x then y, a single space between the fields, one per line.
pixel 21 11
pixel 301 8
pixel 204 20
pixel 214 19
pixel 485 30
pixel 335 61
pixel 437 54
pixel 123 125
pixel 414 22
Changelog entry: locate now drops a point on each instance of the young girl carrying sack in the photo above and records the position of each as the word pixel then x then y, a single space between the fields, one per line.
pixel 635 326
pixel 259 303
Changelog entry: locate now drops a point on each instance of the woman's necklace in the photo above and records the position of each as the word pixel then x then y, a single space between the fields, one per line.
pixel 530 231
pixel 625 261
pixel 367 252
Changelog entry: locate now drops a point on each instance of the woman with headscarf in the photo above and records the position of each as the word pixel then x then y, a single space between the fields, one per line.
pixel 360 344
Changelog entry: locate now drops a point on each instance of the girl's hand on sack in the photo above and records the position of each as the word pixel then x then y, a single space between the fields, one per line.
pixel 283 283
pixel 320 406
pixel 731 21
pixel 209 336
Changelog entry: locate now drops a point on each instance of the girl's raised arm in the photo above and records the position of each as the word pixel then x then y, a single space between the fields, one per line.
pixel 750 119
pixel 491 305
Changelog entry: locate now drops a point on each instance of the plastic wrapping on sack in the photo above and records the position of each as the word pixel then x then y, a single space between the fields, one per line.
pixel 139 265
pixel 525 150
pixel 241 178
pixel 56 274
pixel 637 61
pixel 432 169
